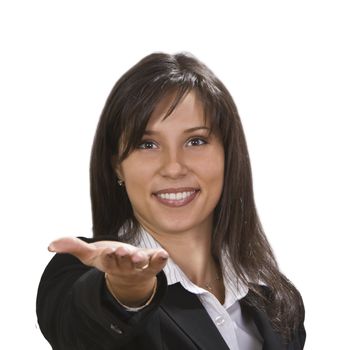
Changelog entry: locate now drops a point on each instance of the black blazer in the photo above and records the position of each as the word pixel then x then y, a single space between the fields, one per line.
pixel 75 311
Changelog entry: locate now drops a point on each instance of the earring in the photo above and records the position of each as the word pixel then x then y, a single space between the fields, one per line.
pixel 120 182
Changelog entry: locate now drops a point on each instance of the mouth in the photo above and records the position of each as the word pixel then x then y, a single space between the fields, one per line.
pixel 176 197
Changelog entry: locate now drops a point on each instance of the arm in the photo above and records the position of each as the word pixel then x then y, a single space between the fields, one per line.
pixel 76 311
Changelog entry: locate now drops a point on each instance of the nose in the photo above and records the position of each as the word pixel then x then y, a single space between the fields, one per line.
pixel 173 164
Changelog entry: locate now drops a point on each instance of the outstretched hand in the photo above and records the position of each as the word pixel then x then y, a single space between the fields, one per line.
pixel 131 270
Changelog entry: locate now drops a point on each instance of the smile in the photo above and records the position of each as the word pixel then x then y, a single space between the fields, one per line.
pixel 176 198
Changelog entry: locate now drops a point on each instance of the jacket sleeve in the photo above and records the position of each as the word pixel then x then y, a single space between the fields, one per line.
pixel 75 310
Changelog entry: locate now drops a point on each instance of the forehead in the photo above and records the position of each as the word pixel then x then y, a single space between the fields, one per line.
pixel 188 112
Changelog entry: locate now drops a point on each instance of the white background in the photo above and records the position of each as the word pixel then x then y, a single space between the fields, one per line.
pixel 281 60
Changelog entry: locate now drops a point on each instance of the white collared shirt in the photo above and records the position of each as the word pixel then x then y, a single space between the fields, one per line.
pixel 238 333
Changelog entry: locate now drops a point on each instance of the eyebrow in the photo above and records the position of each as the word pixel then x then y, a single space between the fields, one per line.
pixel 187 131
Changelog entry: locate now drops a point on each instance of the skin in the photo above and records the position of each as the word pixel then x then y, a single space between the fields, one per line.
pixel 177 154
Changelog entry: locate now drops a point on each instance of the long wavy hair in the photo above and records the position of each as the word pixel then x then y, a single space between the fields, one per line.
pixel 237 227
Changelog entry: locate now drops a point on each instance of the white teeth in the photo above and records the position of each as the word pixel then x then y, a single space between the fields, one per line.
pixel 175 196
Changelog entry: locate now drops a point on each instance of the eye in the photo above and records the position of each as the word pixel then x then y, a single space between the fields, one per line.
pixel 147 145
pixel 196 141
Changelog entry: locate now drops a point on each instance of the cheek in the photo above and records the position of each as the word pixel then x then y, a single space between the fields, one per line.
pixel 218 179
pixel 215 168
pixel 132 171
pixel 137 179
pixel 211 177
pixel 137 197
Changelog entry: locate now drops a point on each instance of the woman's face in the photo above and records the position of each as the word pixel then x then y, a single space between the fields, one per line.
pixel 174 178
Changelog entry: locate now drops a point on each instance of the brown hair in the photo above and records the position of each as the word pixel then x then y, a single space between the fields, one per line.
pixel 236 222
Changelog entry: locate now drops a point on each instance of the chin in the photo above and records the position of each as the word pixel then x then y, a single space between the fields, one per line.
pixel 175 226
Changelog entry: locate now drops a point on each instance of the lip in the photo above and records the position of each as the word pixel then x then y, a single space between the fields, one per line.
pixel 173 203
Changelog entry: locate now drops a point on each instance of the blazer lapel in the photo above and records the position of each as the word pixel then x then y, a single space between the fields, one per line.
pixel 192 318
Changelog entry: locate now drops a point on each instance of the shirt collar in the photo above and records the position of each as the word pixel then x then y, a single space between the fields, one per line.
pixel 234 288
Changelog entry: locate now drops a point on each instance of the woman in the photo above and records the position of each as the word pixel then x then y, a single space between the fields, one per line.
pixel 179 259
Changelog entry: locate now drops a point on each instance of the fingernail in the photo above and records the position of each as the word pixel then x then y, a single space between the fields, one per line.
pixel 137 258
pixel 51 248
pixel 122 252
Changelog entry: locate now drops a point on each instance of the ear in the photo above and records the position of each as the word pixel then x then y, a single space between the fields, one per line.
pixel 117 168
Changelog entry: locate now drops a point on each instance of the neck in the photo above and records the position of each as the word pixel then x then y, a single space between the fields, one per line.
pixel 191 251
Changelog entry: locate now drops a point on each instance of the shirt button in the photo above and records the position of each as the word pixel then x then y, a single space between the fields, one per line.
pixel 116 329
pixel 219 320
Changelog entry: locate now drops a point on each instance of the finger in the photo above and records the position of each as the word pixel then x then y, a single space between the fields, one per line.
pixel 107 261
pixel 74 246
pixel 158 261
pixel 140 259
pixel 114 244
pixel 123 258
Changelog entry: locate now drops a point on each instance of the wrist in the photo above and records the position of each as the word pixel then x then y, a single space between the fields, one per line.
pixel 132 297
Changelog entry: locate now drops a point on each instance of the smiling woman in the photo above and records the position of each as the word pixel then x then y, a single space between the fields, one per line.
pixel 180 166
pixel 179 258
